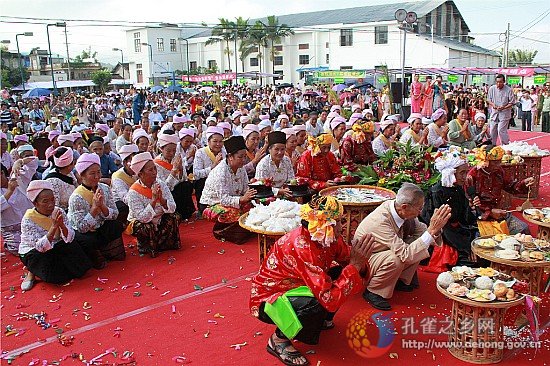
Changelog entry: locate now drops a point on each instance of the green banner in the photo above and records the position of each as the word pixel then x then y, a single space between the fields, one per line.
pixel 513 80
pixel 539 79
pixel 422 78
pixel 477 79
pixel 382 80
pixel 341 74
pixel 338 80
pixel 452 78
pixel 242 81
pixel 225 82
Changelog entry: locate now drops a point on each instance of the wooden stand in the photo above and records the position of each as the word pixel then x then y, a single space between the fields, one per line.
pixel 543 231
pixel 265 238
pixel 485 339
pixel 531 168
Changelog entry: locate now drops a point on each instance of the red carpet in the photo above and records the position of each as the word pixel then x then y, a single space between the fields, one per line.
pixel 193 303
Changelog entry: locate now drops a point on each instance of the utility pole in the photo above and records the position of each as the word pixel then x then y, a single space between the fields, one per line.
pixel 68 59
pixel 506 46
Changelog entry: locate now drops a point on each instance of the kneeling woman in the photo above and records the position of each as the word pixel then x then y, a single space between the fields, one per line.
pixel 92 212
pixel 318 165
pixel 122 180
pixel 152 216
pixel 47 247
pixel 227 195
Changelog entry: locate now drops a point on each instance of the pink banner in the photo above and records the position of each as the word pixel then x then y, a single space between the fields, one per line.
pixel 516 71
pixel 209 77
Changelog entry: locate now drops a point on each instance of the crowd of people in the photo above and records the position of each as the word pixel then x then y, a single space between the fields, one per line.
pixel 140 163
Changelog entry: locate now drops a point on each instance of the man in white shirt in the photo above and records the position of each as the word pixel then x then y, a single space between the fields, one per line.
pixel 313 127
pixel 155 117
pixel 526 105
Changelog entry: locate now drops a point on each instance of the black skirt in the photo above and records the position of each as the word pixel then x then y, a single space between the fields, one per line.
pixel 183 196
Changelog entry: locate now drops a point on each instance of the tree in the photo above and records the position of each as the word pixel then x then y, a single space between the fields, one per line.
pixel 241 32
pixel 275 32
pixel 258 39
pixel 225 31
pixel 79 60
pixel 11 76
pixel 521 57
pixel 102 78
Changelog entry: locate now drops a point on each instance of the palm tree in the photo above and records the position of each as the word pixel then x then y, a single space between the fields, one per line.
pixel 275 33
pixel 521 57
pixel 242 28
pixel 258 38
pixel 224 31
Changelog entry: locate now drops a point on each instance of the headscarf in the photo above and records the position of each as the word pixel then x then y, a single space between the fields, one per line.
pixel 65 159
pixel 236 114
pixel 212 130
pixel 480 115
pixel 64 138
pixel 186 132
pixel 298 128
pixel 53 134
pixel 165 139
pixel 447 164
pixel 23 148
pixel 127 150
pixel 335 107
pixel 282 116
pixel 413 117
pixel 248 129
pixel 321 214
pixel 290 131
pixel 3 136
pixel 483 156
pixel 85 161
pixel 138 133
pixel 139 161
pixel 245 119
pixel 23 138
pixel 225 125
pixel 37 186
pixel 316 142
pixel 438 114
pixel 178 118
pixel 367 111
pixel 360 130
pixel 354 117
pixel 385 124
pixel 336 121
pixel 102 126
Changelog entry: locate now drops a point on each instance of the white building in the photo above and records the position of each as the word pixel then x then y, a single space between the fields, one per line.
pixel 344 39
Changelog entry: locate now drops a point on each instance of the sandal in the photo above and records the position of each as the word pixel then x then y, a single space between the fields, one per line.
pixel 327 324
pixel 280 351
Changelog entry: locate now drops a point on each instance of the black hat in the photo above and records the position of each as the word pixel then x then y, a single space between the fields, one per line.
pixel 234 144
pixel 276 137
pixel 95 138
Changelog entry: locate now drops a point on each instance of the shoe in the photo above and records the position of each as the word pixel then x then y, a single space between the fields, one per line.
pixel 403 287
pixel 376 301
pixel 415 282
pixel 283 354
pixel 27 284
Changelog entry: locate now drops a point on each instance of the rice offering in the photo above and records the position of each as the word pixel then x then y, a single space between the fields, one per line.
pixel 358 195
pixel 280 216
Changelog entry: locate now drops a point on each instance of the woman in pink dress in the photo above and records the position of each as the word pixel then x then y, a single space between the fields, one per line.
pixel 416 95
pixel 428 95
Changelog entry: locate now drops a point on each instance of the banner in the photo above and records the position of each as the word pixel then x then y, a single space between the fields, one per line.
pixel 209 77
pixel 339 80
pixel 382 80
pixel 477 80
pixel 452 78
pixel 519 71
pixel 341 74
pixel 539 79
pixel 513 80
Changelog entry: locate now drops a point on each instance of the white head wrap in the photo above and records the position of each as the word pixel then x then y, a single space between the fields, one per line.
pixel 447 164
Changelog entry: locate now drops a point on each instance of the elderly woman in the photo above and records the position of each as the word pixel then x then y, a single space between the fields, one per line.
pixel 385 140
pixel 19 140
pixel 317 165
pixel 461 133
pixel 415 133
pixel 14 201
pixel 338 129
pixel 206 159
pixel 61 177
pixel 276 166
pixel 437 130
pixel 298 289
pixel 152 216
pixel 227 194
pixel 47 248
pixel 282 122
pixel 171 171
pixel 122 180
pixel 92 213
pixel 291 144
pixel 186 148
pixel 251 135
pixel 265 128
pixel 481 130
pixel 125 138
pixel 356 148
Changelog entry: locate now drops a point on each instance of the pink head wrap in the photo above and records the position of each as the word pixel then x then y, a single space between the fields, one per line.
pixel 64 160
pixel 53 134
pixel 212 130
pixel 225 125
pixel 236 114
pixel 385 124
pixel 332 115
pixel 127 150
pixel 139 161
pixel 37 186
pixel 337 121
pixel 85 161
pixel 140 132
pixel 413 117
pixel 186 132
pixel 165 139
pixel 248 129
pixel 3 136
pixel 438 114
pixel 299 128
pixel 180 119
pixel 102 126
pixel 355 106
pixel 354 117
pixel 23 138
pixel 282 116
pixel 64 138
pixel 264 116
pixel 245 119
pixel 289 132
pixel 367 111
pixel 76 136
pixel 335 108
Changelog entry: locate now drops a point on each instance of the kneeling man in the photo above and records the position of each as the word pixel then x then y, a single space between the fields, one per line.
pixel 401 242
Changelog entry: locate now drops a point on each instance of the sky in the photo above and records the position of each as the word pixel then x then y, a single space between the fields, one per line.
pixel 529 20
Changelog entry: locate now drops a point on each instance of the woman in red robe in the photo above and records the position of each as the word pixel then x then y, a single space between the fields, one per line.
pixel 357 146
pixel 317 165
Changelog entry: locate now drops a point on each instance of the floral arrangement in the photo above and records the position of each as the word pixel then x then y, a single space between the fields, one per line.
pixel 268 182
pixel 405 163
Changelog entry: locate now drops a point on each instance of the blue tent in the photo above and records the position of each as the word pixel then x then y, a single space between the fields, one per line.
pixel 36 92
pixel 173 88
pixel 156 88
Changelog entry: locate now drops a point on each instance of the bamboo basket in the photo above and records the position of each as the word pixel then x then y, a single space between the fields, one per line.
pixel 265 238
pixel 531 168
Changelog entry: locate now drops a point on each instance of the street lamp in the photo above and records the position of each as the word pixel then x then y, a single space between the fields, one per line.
pixel 19 56
pixel 58 24
pixel 432 31
pixel 405 19
pixel 186 55
pixel 151 68
pixel 122 63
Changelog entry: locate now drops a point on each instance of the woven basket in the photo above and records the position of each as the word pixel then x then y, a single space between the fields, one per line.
pixel 265 238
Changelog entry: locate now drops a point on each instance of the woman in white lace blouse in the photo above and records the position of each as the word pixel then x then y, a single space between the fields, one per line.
pixel 121 181
pixel 92 212
pixel 47 247
pixel 276 166
pixel 61 177
pixel 385 140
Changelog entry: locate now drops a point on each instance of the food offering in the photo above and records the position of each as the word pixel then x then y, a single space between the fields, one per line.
pixel 481 284
pixel 518 247
pixel 280 216
pixel 522 148
pixel 542 215
pixel 486 243
pixel 358 195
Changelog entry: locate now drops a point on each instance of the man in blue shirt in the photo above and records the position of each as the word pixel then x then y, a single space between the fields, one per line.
pixel 108 166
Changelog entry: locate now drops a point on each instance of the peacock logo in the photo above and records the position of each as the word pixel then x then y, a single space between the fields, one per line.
pixel 365 328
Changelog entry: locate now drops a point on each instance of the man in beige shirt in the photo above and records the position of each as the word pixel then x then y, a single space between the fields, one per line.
pixel 401 242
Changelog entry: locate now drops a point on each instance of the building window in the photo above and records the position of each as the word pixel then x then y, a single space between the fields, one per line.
pixel 279 73
pixel 212 64
pixel 327 59
pixel 302 74
pixel 253 61
pixel 346 37
pixel 326 44
pixel 173 45
pixel 137 42
pixel 160 44
pixel 139 66
pixel 278 61
pixel 254 49
pixel 303 46
pixel 139 74
pixel 278 48
pixel 381 34
pixel 193 65
pixel 303 59
pixel 346 67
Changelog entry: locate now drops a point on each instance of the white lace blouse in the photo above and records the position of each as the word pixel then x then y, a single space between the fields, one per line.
pixel 62 191
pixel 119 188
pixel 224 187
pixel 267 169
pixel 140 206
pixel 202 165
pixel 165 175
pixel 79 214
pixel 34 236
